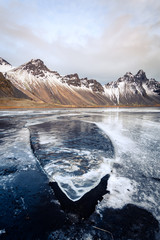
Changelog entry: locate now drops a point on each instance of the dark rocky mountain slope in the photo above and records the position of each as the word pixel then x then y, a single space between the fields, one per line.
pixel 7 89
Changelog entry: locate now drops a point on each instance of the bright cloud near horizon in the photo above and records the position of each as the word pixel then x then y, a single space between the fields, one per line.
pixel 98 39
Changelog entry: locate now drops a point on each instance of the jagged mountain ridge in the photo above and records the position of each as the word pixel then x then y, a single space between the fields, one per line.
pixel 39 83
pixel 133 89
pixel 74 80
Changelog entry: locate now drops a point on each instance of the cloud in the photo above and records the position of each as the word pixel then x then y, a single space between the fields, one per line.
pixel 99 39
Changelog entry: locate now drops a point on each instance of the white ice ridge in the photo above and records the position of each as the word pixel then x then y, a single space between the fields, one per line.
pixel 75 187
pixel 114 130
pixel 121 188
pixel 17 146
pixel 121 191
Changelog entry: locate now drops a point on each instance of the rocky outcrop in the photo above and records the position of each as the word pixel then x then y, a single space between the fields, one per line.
pixel 95 86
pixel 74 80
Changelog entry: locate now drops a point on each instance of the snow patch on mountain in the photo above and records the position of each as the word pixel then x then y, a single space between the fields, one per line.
pixel 5 66
pixel 133 89
pixel 33 74
pixel 39 82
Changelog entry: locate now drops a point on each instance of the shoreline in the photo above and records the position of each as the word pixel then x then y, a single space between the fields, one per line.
pixel 28 104
pixel 74 107
pixel 15 103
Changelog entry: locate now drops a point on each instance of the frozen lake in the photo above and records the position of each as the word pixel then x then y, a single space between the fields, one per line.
pixel 76 149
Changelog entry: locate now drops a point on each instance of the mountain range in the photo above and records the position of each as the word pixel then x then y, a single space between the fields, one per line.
pixel 39 86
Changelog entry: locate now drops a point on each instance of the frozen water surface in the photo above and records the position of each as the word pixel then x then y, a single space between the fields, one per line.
pixel 77 147
pixel 76 154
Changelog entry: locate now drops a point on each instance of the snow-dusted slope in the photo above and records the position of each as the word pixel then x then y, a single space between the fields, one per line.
pixel 4 65
pixel 133 89
pixel 40 83
pixel 8 90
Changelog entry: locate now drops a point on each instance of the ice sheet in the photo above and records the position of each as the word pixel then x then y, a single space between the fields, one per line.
pixel 135 134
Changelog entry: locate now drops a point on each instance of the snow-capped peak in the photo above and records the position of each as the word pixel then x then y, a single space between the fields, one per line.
pixel 33 75
pixel 36 66
pixel 4 62
pixel 4 66
pixel 129 77
pixel 39 82
pixel 133 89
pixel 129 74
pixel 141 75
pixel 37 62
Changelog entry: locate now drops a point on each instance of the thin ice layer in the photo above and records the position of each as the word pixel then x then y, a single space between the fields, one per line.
pixel 75 154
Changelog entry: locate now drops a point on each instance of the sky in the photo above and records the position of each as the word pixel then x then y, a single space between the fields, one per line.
pixel 98 39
